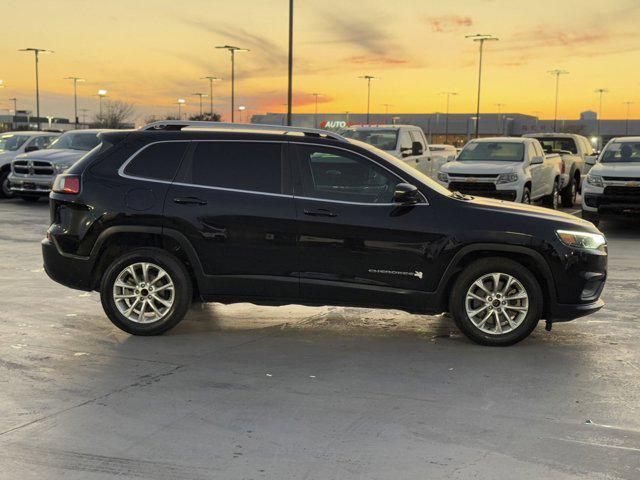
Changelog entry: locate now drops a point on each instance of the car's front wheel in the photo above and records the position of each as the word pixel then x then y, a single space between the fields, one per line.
pixel 553 199
pixel 5 191
pixel 496 301
pixel 146 291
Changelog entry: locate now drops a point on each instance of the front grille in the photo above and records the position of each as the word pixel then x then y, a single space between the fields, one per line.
pixel 463 187
pixel 32 167
pixel 475 175
pixel 625 191
pixel 621 179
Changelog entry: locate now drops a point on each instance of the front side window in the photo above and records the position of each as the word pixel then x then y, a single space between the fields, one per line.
pixel 493 151
pixel 380 138
pixel 43 141
pixel 332 174
pixel 621 152
pixel 11 142
pixel 255 167
pixel 159 161
pixel 75 141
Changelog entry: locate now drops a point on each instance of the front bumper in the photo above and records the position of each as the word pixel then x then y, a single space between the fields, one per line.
pixel 566 312
pixel 71 271
pixel 485 189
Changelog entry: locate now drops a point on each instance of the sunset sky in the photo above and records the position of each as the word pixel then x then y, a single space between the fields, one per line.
pixel 151 52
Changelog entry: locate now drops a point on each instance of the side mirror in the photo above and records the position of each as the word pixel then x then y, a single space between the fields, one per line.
pixel 31 148
pixel 537 160
pixel 591 160
pixel 451 158
pixel 405 152
pixel 416 148
pixel 405 193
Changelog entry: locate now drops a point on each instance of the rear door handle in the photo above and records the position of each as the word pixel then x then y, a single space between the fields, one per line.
pixel 189 201
pixel 319 212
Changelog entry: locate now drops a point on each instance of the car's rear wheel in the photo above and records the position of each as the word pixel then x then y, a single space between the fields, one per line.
pixel 496 301
pixel 526 196
pixel 569 194
pixel 146 292
pixel 5 191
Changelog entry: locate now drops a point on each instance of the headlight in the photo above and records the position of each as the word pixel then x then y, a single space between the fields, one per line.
pixel 507 178
pixel 61 167
pixel 443 177
pixel 595 180
pixel 590 241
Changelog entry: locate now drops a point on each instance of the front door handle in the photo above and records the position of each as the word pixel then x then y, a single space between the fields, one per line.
pixel 189 201
pixel 319 212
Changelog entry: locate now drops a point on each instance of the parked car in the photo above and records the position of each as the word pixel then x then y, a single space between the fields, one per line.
pixel 405 142
pixel 514 169
pixel 32 174
pixel 613 183
pixel 443 149
pixel 15 143
pixel 574 150
pixel 178 211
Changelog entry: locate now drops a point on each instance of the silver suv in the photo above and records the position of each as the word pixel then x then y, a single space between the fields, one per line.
pixel 32 174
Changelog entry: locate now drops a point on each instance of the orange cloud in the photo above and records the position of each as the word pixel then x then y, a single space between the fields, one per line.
pixel 448 23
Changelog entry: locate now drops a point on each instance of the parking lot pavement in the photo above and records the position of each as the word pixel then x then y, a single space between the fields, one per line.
pixel 246 392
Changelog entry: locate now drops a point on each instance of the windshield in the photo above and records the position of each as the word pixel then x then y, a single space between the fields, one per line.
pixel 12 142
pixel 75 141
pixel 382 139
pixel 410 171
pixel 554 144
pixel 494 151
pixel 621 152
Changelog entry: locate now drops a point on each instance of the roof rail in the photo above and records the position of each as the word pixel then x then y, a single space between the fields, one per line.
pixel 180 124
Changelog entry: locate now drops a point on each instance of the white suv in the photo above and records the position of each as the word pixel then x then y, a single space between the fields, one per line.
pixel 514 169
pixel 613 183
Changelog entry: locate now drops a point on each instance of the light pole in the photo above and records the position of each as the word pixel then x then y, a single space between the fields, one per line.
pixel 600 92
pixel 386 108
pixel 537 113
pixel 241 108
pixel 626 121
pixel 557 74
pixel 75 96
pixel 315 115
pixel 180 102
pixel 200 96
pixel 37 52
pixel 480 39
pixel 446 116
pixel 15 105
pixel 211 80
pixel 290 72
pixel 499 105
pixel 233 51
pixel 101 94
pixel 368 78
pixel 84 114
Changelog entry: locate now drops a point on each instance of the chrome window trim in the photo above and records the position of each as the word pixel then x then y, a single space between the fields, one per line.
pixel 123 167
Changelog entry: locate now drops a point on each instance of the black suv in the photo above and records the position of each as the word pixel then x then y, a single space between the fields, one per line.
pixel 180 211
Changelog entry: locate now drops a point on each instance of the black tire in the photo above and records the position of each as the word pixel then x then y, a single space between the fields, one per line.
pixel 486 266
pixel 5 192
pixel 592 217
pixel 569 194
pixel 29 198
pixel 526 196
pixel 553 199
pixel 179 276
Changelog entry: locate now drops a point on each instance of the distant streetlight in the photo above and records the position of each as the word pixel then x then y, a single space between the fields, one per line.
pixel 233 51
pixel 499 105
pixel 37 52
pixel 211 80
pixel 626 121
pixel 101 94
pixel 1 83
pixel 241 108
pixel 446 116
pixel 315 115
pixel 480 39
pixel 557 74
pixel 600 92
pixel 75 96
pixel 368 78
pixel 290 69
pixel 180 102
pixel 200 96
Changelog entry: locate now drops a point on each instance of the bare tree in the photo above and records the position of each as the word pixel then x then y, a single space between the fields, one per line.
pixel 114 114
pixel 206 117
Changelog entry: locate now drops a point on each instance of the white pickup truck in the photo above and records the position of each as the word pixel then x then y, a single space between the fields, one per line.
pixel 574 151
pixel 506 168
pixel 406 142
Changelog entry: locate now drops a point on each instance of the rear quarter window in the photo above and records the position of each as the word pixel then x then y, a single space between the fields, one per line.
pixel 159 161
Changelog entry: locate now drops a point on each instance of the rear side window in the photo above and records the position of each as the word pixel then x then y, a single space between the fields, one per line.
pixel 255 167
pixel 159 161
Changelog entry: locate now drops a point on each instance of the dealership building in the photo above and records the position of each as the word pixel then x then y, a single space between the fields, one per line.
pixel 459 127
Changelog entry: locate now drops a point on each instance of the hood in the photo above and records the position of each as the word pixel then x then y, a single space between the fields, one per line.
pixel 533 211
pixel 626 169
pixel 53 155
pixel 483 167
pixel 7 154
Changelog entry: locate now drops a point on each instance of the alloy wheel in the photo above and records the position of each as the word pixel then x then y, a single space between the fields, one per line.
pixel 143 292
pixel 497 303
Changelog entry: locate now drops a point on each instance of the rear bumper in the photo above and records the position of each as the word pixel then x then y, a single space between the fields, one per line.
pixel 73 272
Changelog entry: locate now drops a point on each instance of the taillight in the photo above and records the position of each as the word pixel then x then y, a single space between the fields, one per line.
pixel 563 167
pixel 69 184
